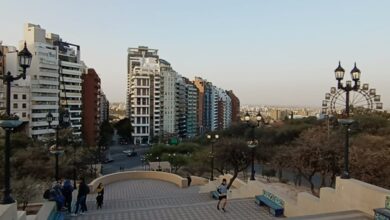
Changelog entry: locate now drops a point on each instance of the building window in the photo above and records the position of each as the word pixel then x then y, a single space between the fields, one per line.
pixel 15 96
pixel 15 105
pixel 24 96
pixel 24 114
pixel 24 105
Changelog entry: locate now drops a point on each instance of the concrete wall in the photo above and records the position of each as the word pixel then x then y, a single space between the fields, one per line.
pixel 198 181
pixel 129 175
pixel 349 194
pixel 8 212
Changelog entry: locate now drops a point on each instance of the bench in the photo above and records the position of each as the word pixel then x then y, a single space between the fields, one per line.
pixel 383 213
pixel 275 204
pixel 214 195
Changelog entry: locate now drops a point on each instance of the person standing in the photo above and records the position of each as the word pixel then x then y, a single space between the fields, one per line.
pixel 67 190
pixel 100 196
pixel 222 190
pixel 81 198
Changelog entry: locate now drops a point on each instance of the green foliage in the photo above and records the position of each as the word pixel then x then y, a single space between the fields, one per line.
pixel 106 133
pixel 232 153
pixel 370 123
pixel 26 189
pixel 124 128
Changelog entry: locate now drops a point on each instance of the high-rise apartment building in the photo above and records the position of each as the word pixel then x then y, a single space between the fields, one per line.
pixel 136 56
pixel 43 79
pixel 162 104
pixel 224 110
pixel 104 108
pixel 54 80
pixel 191 97
pixel 91 90
pixel 181 105
pixel 235 106
pixel 200 84
pixel 143 93
pixel 168 99
pixel 70 70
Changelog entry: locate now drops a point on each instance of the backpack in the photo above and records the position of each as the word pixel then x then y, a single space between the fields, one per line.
pixel 46 194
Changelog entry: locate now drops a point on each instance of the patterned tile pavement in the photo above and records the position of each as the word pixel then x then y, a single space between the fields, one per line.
pixel 151 199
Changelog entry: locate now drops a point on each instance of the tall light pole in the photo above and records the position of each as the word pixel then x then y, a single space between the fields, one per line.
pixel 213 140
pixel 57 150
pixel 348 87
pixel 252 143
pixel 24 58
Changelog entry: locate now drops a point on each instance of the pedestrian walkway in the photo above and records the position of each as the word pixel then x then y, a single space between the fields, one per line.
pixel 153 199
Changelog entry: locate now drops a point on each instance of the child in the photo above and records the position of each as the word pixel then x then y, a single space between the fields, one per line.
pixel 99 197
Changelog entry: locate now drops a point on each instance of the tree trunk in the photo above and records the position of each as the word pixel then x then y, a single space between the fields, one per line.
pixel 235 174
pixel 24 205
pixel 312 184
pixel 323 178
pixel 280 174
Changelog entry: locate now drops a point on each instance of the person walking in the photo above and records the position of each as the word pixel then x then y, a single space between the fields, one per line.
pixel 100 196
pixel 67 190
pixel 81 198
pixel 222 190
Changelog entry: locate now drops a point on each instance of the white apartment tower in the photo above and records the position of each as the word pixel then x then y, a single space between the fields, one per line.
pixel 70 69
pixel 55 80
pixel 143 93
pixel 43 78
pixel 168 99
pixel 214 108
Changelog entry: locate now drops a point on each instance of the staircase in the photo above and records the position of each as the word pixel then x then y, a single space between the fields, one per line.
pixel 151 199
pixel 345 215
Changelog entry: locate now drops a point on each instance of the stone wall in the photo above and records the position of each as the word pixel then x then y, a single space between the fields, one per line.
pixel 349 194
pixel 128 175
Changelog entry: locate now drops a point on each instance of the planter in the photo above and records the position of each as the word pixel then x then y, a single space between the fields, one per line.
pixel 10 123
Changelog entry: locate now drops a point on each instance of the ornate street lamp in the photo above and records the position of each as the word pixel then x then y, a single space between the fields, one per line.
pixel 57 150
pixel 24 58
pixel 253 142
pixel 159 167
pixel 348 87
pixel 213 140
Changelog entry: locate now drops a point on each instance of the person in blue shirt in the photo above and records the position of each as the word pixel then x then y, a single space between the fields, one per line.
pixel 222 190
pixel 67 190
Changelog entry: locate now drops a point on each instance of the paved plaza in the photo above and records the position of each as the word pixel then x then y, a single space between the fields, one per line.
pixel 153 199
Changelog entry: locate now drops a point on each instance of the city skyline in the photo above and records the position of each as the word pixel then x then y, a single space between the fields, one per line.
pixel 274 49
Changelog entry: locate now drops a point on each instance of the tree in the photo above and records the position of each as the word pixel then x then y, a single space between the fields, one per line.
pixel 25 189
pixel 370 158
pixel 106 133
pixel 232 153
pixel 124 128
pixel 315 152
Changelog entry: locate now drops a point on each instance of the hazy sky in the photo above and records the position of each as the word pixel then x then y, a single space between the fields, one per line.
pixel 272 52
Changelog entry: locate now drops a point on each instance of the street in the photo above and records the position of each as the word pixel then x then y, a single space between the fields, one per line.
pixel 115 152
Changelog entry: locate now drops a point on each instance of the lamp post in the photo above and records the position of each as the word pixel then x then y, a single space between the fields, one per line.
pixel 24 58
pixel 57 150
pixel 171 159
pixel 348 87
pixel 213 140
pixel 253 142
pixel 159 167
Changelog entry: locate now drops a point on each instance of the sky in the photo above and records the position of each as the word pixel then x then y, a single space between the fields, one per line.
pixel 279 52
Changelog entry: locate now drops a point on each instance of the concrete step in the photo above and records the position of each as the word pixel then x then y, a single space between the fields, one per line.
pixel 345 215
pixel 152 202
pixel 236 209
